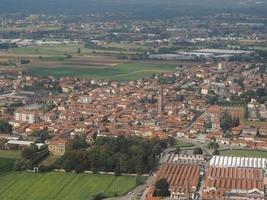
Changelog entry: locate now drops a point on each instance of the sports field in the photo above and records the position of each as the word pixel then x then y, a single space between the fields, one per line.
pixel 61 186
pixel 244 153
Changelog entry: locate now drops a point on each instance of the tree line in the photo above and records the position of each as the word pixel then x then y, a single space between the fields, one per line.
pixel 110 154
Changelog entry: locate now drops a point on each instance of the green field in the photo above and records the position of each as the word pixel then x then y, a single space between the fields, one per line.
pixel 122 72
pixel 244 153
pixel 58 185
pixel 9 154
pixel 6 164
pixel 183 144
pixel 61 186
pixel 60 49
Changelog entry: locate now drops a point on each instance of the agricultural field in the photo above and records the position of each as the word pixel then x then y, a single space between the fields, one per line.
pixel 244 153
pixel 121 72
pixel 60 185
pixel 61 49
pixel 57 185
pixel 63 60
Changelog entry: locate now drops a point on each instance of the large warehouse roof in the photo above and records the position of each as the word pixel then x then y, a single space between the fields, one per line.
pixel 225 161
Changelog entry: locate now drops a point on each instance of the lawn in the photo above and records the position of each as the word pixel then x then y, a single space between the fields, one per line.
pixel 10 154
pixel 183 144
pixel 122 72
pixel 244 153
pixel 61 186
pixel 6 164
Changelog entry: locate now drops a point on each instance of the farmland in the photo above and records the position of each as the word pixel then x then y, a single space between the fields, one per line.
pixel 123 72
pixel 64 60
pixel 57 185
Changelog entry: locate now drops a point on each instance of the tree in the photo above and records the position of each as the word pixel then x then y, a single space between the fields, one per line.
pixel 139 180
pixel 77 143
pixel 42 134
pixel 30 152
pixel 198 151
pixel 162 188
pixel 98 196
pixel 19 165
pixel 213 145
pixel 226 121
pixel 5 127
pixel 177 150
pixel 216 152
pixel 212 100
pixel 117 171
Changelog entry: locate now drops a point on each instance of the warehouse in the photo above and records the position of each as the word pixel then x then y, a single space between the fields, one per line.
pixel 227 161
pixel 182 178
pixel 233 183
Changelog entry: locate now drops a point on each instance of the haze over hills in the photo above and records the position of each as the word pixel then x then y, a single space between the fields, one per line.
pixel 169 7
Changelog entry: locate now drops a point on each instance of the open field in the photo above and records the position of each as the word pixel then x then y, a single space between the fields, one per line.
pixel 122 72
pixel 9 154
pixel 56 185
pixel 60 50
pixel 61 186
pixel 6 164
pixel 63 60
pixel 244 153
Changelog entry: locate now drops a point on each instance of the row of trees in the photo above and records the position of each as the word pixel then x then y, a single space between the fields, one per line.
pixel 31 157
pixel 228 122
pixel 119 155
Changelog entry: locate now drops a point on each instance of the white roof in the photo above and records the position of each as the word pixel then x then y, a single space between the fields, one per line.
pixel 228 161
pixel 20 142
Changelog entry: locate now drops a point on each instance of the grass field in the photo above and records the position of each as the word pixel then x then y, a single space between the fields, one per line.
pixel 244 153
pixel 9 154
pixel 123 72
pixel 6 164
pixel 56 185
pixel 61 186
pixel 183 144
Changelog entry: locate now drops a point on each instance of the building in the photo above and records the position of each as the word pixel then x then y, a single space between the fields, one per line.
pixel 160 101
pixel 18 144
pixel 57 146
pixel 29 114
pixel 227 161
pixel 183 179
pixel 235 183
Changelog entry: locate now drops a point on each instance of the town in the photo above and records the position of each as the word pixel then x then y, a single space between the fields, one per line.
pixel 126 105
